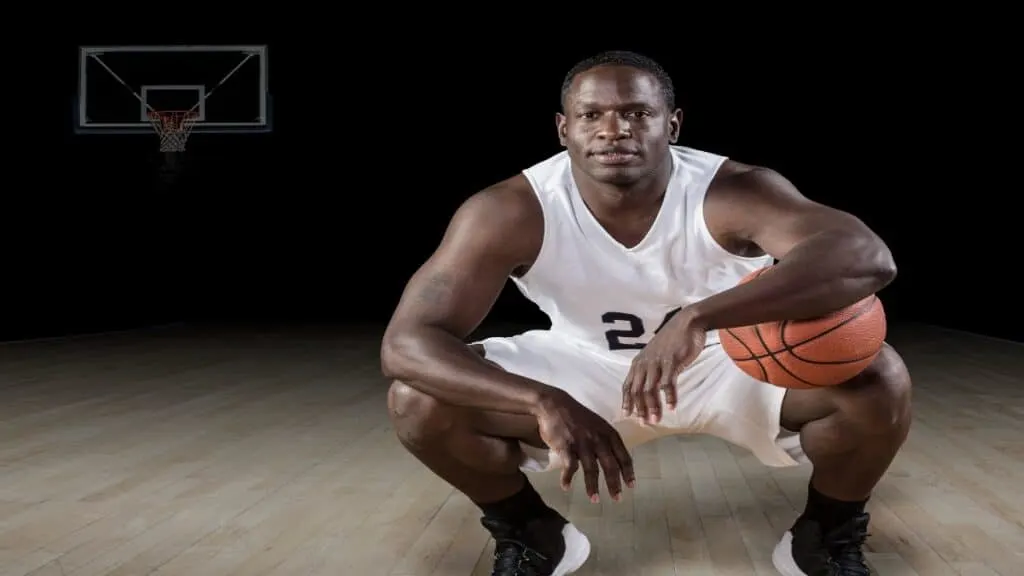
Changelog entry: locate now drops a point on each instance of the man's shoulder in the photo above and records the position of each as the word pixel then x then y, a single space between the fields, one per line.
pixel 503 220
pixel 504 207
pixel 733 171
pixel 737 180
pixel 745 197
pixel 512 198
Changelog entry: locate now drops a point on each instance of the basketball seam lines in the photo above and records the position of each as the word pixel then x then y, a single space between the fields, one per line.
pixel 757 331
pixel 786 347
pixel 764 372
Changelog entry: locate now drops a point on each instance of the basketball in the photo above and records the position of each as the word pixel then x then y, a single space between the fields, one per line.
pixel 823 351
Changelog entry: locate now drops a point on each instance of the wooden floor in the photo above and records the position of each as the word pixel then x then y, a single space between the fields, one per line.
pixel 244 453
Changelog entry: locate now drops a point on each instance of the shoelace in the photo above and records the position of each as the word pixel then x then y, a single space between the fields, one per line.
pixel 846 548
pixel 513 558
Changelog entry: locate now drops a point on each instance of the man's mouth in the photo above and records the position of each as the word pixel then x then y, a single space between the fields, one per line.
pixel 615 156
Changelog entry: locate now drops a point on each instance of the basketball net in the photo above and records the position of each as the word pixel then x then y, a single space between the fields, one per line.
pixel 173 127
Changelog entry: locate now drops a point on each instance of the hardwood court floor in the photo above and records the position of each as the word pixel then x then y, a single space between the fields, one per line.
pixel 244 453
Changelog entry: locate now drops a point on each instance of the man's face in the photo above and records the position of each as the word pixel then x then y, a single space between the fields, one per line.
pixel 617 126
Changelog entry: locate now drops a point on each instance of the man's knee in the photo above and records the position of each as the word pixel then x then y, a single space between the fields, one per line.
pixel 419 419
pixel 880 396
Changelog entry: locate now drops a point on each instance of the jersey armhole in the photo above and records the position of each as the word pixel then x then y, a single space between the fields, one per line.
pixel 546 231
pixel 705 232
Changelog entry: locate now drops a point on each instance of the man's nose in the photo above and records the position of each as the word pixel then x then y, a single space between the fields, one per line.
pixel 613 127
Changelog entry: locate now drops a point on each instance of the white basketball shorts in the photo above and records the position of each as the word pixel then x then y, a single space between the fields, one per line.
pixel 714 397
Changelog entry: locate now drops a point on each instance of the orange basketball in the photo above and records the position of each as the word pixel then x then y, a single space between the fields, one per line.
pixel 824 351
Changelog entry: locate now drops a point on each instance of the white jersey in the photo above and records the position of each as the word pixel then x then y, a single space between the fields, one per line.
pixel 610 298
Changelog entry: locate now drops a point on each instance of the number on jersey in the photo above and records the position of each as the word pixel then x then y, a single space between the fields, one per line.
pixel 628 328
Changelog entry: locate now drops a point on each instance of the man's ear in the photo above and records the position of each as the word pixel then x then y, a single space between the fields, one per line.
pixel 561 124
pixel 675 125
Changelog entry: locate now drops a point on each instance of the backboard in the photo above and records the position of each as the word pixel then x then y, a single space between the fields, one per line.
pixel 225 85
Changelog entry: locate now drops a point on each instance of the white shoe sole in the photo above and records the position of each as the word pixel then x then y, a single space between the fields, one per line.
pixel 782 557
pixel 577 550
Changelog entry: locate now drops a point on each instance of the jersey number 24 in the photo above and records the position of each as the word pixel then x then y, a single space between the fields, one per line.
pixel 630 327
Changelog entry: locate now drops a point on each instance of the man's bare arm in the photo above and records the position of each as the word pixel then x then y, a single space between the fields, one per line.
pixel 491 235
pixel 828 258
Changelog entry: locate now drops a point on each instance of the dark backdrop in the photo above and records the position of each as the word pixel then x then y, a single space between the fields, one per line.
pixel 323 220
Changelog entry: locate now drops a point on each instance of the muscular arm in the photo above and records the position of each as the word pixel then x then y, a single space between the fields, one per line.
pixel 828 259
pixel 491 235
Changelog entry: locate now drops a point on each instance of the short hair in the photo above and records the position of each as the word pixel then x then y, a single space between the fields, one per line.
pixel 623 58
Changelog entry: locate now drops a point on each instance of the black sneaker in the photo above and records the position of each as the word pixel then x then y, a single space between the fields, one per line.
pixel 543 547
pixel 806 551
pixel 846 546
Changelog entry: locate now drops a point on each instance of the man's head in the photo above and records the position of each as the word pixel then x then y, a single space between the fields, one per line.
pixel 618 116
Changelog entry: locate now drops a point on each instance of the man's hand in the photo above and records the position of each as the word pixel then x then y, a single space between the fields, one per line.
pixel 582 438
pixel 656 367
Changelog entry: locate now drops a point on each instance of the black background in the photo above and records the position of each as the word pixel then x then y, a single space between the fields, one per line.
pixel 376 142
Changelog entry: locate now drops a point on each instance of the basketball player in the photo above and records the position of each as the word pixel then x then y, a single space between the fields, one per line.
pixel 633 246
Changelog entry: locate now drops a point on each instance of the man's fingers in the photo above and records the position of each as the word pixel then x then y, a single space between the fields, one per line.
pixel 590 471
pixel 667 384
pixel 610 468
pixel 572 464
pixel 650 393
pixel 625 460
pixel 627 392
pixel 640 407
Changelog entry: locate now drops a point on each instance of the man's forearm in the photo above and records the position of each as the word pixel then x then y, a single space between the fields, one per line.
pixel 821 275
pixel 442 366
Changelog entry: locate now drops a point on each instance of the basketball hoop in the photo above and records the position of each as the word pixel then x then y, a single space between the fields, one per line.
pixel 173 127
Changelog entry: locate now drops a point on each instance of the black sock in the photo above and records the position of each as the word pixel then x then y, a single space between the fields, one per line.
pixel 519 508
pixel 828 512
